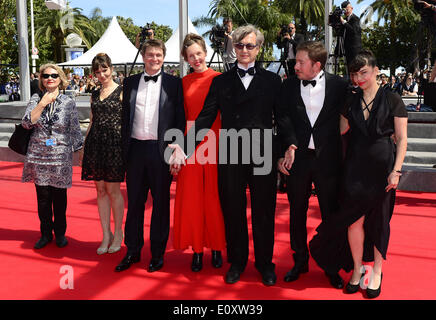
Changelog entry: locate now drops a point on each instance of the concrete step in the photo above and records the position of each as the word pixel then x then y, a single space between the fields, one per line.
pixel 427 117
pixel 420 144
pixel 421 130
pixel 420 157
pixel 418 178
pixel 420 165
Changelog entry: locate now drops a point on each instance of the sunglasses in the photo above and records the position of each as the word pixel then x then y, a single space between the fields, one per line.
pixel 249 46
pixel 53 75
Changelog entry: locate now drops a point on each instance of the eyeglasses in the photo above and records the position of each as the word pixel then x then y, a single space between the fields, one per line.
pixel 53 75
pixel 249 46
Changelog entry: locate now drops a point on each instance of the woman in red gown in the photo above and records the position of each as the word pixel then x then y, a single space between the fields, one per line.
pixel 198 220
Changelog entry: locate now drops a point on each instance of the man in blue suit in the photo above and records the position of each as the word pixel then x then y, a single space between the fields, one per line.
pixel 152 104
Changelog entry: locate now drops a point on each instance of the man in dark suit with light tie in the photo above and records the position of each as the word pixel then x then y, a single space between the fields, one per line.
pixel 152 104
pixel 246 96
pixel 308 124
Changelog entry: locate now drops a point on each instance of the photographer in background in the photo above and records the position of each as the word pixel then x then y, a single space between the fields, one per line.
pixel 229 55
pixel 288 40
pixel 352 32
pixel 146 33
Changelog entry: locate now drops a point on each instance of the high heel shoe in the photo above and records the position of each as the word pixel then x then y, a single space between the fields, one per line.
pixel 197 262
pixel 113 249
pixel 102 250
pixel 217 260
pixel 353 288
pixel 374 293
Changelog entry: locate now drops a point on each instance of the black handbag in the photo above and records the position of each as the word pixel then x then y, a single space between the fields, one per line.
pixel 19 140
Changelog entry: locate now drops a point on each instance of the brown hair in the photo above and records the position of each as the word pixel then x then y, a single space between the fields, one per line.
pixel 153 43
pixel 101 60
pixel 363 58
pixel 64 81
pixel 315 50
pixel 190 39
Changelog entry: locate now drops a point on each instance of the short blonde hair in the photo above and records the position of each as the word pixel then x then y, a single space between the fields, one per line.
pixel 64 81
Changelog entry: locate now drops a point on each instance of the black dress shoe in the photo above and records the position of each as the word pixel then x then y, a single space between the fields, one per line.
pixel 61 241
pixel 353 288
pixel 197 262
pixel 335 280
pixel 217 260
pixel 155 264
pixel 374 293
pixel 233 275
pixel 269 278
pixel 127 261
pixel 42 242
pixel 295 272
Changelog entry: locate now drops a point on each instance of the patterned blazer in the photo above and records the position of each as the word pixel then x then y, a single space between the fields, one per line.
pixel 64 126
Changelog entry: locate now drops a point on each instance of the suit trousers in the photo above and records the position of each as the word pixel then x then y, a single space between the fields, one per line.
pixel 147 171
pixel 52 202
pixel 306 171
pixel 232 183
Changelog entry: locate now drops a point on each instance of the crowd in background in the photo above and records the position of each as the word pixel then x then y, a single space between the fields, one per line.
pixel 403 83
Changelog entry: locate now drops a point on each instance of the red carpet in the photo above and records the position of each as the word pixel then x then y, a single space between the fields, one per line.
pixel 409 272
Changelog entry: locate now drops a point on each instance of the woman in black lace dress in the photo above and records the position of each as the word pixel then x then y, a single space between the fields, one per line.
pixel 377 120
pixel 102 160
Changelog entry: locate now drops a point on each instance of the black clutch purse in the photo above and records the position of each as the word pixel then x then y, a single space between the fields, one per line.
pixel 19 140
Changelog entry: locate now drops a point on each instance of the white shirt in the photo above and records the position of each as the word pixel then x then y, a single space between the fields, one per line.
pixel 313 98
pixel 246 80
pixel 291 54
pixel 146 118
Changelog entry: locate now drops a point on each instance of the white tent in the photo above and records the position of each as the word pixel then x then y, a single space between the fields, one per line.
pixel 173 46
pixel 113 42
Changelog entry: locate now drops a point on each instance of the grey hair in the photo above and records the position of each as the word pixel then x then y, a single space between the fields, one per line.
pixel 243 31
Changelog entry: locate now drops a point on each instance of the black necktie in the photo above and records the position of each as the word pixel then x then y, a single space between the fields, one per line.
pixel 154 78
pixel 251 71
pixel 312 82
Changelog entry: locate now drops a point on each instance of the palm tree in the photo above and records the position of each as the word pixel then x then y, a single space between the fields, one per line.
pixel 261 13
pixel 392 12
pixel 54 25
pixel 306 13
pixel 99 23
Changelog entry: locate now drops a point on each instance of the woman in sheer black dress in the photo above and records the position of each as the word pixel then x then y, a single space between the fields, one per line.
pixel 377 120
pixel 102 160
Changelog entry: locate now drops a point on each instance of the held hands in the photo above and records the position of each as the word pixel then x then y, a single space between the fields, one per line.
pixel 393 179
pixel 177 159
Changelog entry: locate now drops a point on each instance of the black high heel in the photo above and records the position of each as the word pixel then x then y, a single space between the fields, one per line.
pixel 197 262
pixel 353 288
pixel 217 260
pixel 374 293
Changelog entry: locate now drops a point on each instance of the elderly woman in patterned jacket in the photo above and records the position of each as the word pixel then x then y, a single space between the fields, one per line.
pixel 49 158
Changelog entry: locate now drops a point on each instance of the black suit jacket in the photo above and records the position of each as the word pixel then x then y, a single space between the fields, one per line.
pixel 240 108
pixel 298 38
pixel 294 125
pixel 171 110
pixel 352 37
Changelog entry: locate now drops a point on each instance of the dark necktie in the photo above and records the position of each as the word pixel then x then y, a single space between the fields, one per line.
pixel 312 82
pixel 251 71
pixel 154 78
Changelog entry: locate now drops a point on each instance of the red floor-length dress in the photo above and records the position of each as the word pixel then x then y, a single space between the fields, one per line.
pixel 198 219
